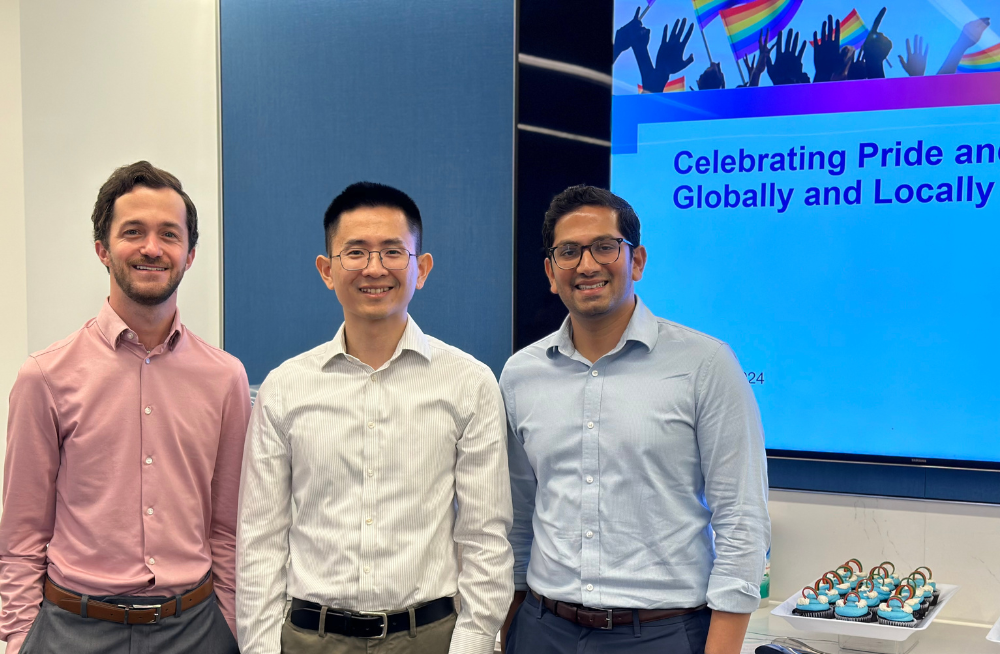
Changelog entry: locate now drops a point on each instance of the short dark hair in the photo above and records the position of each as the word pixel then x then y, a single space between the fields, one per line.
pixel 372 195
pixel 590 196
pixel 124 180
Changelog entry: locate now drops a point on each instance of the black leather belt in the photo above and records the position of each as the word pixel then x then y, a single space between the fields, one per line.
pixel 367 624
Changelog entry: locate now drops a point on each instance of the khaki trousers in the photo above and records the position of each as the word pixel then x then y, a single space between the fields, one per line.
pixel 433 638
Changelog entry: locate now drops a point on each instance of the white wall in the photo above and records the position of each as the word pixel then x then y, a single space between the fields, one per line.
pixel 812 533
pixel 13 299
pixel 105 83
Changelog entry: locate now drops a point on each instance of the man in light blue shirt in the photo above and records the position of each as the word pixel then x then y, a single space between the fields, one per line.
pixel 637 462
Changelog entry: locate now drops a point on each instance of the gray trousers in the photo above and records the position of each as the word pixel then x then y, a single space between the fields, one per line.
pixel 433 638
pixel 201 629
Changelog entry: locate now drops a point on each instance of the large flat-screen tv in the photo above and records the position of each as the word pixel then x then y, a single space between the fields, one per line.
pixel 819 185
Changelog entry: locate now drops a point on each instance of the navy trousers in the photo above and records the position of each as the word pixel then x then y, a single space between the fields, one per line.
pixel 536 630
pixel 200 629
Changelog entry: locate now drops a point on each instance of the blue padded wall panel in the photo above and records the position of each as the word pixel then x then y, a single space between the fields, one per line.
pixel 319 94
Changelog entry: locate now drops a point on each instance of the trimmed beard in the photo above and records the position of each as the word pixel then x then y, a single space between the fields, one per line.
pixel 122 273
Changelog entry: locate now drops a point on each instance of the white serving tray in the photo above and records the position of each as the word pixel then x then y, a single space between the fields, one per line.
pixel 994 635
pixel 861 629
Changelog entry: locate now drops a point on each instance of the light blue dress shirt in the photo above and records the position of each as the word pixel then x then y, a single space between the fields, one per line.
pixel 638 481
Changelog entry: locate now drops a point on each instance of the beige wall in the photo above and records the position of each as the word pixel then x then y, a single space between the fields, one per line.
pixel 108 82
pixel 14 325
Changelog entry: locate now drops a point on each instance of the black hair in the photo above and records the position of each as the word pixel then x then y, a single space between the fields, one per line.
pixel 371 195
pixel 590 196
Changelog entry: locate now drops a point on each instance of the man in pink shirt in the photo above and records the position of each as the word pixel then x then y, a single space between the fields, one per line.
pixel 124 447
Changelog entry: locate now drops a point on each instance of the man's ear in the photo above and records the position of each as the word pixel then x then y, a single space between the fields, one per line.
pixel 552 278
pixel 638 262
pixel 324 265
pixel 425 262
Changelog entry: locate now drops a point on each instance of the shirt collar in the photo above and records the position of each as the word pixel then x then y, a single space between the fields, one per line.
pixel 642 328
pixel 413 339
pixel 113 327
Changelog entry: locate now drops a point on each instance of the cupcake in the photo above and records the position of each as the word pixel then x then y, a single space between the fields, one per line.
pixel 840 583
pixel 929 579
pixel 895 613
pixel 866 592
pixel 880 586
pixel 891 572
pixel 813 604
pixel 853 609
pixel 826 589
pixel 855 575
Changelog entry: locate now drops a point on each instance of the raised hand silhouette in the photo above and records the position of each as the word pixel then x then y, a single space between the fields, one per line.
pixel 761 60
pixel 971 33
pixel 670 57
pixel 876 49
pixel 915 63
pixel 787 66
pixel 846 61
pixel 826 51
pixel 712 78
pixel 856 67
pixel 628 35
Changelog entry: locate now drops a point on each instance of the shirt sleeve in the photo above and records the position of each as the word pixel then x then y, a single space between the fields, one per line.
pixel 265 516
pixel 484 517
pixel 522 490
pixel 29 501
pixel 225 494
pixel 734 465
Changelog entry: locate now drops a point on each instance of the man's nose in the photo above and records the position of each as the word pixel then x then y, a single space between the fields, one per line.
pixel 151 247
pixel 587 262
pixel 374 266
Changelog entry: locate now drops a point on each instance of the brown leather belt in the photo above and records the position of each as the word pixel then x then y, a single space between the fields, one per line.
pixel 124 613
pixel 607 618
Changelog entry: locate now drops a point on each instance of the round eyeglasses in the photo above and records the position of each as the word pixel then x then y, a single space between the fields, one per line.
pixel 604 250
pixel 359 258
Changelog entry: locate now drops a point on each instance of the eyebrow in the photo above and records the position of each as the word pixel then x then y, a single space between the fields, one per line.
pixel 596 238
pixel 133 223
pixel 361 241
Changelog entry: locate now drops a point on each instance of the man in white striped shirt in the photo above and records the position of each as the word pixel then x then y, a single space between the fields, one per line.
pixel 357 454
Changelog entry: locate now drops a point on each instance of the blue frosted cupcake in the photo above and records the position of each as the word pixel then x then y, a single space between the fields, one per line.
pixel 895 613
pixel 826 589
pixel 926 585
pixel 890 572
pixel 853 609
pixel 855 575
pixel 840 583
pixel 866 591
pixel 880 586
pixel 813 604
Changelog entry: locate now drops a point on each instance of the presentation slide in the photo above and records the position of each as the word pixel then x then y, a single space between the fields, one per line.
pixel 817 182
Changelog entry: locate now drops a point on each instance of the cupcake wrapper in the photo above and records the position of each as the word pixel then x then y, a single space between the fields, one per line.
pixel 860 618
pixel 893 623
pixel 814 614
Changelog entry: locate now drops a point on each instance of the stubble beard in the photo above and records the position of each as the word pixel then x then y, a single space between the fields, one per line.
pixel 123 277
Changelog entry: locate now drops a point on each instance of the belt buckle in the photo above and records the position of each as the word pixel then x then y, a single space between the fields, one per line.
pixel 385 623
pixel 610 624
pixel 142 607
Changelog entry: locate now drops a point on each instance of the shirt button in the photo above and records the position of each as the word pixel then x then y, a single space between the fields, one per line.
pixel 149 460
pixel 149 410
pixel 371 473
pixel 590 425
pixel 590 534
pixel 147 360
pixel 373 377
pixel 368 521
pixel 594 373
pixel 590 586
pixel 371 425
pixel 590 480
pixel 367 569
pixel 152 561
pixel 149 511
pixel 129 335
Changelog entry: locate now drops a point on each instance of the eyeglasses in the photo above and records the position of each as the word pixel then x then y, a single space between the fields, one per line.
pixel 605 251
pixel 359 258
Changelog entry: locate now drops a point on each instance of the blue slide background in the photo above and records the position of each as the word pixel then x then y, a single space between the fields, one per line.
pixel 872 324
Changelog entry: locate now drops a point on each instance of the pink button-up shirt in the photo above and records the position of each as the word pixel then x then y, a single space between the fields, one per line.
pixel 123 469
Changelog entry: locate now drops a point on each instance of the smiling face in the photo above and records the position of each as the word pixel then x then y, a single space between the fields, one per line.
pixel 373 293
pixel 147 250
pixel 592 291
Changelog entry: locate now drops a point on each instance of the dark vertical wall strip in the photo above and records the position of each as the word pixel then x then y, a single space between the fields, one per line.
pixel 318 94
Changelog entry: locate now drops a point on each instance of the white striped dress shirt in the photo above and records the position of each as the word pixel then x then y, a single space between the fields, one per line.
pixel 351 476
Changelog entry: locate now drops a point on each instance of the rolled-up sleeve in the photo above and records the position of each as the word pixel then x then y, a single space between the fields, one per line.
pixel 29 501
pixel 483 521
pixel 734 465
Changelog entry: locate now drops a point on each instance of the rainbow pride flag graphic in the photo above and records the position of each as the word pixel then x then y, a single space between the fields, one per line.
pixel 707 10
pixel 745 22
pixel 984 61
pixel 853 31
pixel 675 85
